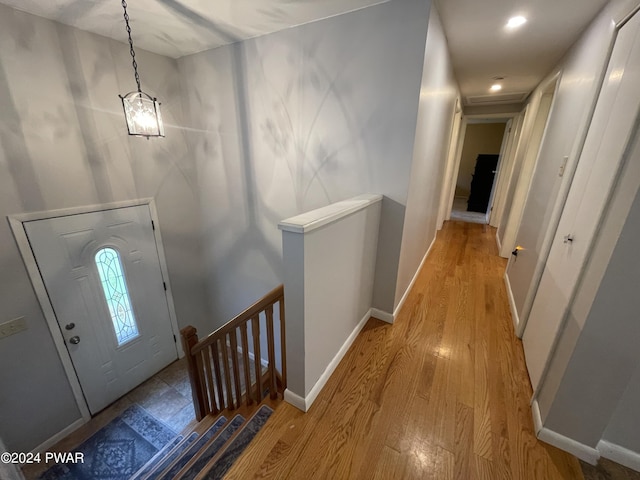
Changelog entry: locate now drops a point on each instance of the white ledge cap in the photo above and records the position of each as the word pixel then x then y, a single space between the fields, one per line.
pixel 305 222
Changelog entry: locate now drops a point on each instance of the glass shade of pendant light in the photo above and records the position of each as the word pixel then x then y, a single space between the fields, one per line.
pixel 141 111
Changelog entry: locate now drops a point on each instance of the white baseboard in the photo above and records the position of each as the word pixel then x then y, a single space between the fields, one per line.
pixel 305 403
pixel 59 436
pixel 498 241
pixel 537 418
pixel 512 305
pixel 413 280
pixel 618 454
pixel 580 450
pixel 382 315
pixel 295 400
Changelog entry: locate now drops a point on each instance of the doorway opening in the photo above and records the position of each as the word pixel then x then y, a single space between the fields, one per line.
pixel 477 172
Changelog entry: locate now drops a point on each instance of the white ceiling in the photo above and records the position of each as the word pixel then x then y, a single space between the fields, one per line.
pixel 480 45
pixel 175 28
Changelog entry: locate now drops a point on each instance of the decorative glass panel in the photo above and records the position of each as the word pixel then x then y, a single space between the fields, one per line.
pixel 116 293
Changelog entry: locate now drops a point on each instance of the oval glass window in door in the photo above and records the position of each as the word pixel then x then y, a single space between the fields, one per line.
pixel 116 294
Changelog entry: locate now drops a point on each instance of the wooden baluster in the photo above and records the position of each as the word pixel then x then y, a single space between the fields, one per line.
pixel 273 389
pixel 255 333
pixel 189 339
pixel 212 407
pixel 245 360
pixel 233 337
pixel 218 374
pixel 227 374
pixel 283 345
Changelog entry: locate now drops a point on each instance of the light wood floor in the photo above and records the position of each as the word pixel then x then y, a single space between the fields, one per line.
pixel 443 393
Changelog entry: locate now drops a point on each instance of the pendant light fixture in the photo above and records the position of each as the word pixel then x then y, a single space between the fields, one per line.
pixel 141 111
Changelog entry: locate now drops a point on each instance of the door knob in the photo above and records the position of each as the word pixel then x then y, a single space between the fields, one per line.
pixel 568 238
pixel 70 326
pixel 74 340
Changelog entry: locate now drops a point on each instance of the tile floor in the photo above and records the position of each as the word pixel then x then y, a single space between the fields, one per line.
pixel 166 396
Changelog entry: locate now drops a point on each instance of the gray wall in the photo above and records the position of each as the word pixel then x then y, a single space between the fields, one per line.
pixel 63 143
pixel 295 120
pixel 600 385
pixel 438 92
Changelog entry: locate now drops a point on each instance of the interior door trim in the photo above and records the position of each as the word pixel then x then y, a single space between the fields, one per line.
pixel 16 223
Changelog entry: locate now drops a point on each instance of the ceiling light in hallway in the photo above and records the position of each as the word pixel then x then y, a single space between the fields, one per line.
pixel 515 22
pixel 496 87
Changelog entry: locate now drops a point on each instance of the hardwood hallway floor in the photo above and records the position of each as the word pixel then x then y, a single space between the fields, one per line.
pixel 443 393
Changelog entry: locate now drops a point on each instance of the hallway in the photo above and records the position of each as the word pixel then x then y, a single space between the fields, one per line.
pixel 441 394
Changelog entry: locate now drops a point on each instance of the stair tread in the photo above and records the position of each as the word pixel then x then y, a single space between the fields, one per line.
pixel 234 448
pixel 150 465
pixel 213 447
pixel 171 470
pixel 170 457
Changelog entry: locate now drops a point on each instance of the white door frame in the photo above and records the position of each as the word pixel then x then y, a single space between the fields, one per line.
pixel 17 227
pixel 453 164
pixel 443 211
pixel 504 174
pixel 532 138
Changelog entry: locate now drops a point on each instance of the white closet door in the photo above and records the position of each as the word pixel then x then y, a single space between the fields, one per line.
pixel 612 127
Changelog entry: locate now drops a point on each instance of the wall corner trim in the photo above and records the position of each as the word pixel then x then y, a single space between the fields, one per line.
pixel 618 454
pixel 413 280
pixel 295 400
pixel 382 315
pixel 305 403
pixel 512 305
pixel 580 450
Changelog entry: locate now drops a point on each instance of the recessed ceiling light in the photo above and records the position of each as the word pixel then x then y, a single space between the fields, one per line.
pixel 515 22
pixel 496 87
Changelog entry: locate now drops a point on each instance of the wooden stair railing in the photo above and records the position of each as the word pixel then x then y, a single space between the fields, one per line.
pixel 219 363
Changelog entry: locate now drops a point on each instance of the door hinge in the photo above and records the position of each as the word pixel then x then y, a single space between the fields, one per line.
pixel 174 339
pixel 153 225
pixel 164 284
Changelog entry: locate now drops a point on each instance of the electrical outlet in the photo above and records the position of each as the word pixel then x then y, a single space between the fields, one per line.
pixel 13 326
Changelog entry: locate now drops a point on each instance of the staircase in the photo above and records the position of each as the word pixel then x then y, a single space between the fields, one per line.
pixel 235 390
pixel 211 448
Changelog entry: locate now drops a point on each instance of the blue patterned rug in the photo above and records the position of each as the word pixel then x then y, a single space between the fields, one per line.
pixel 117 450
pixel 233 451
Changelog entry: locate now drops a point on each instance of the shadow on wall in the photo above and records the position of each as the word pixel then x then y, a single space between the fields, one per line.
pixel 289 162
pixel 314 156
pixel 14 146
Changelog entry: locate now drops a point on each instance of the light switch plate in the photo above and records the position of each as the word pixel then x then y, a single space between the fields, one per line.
pixel 13 326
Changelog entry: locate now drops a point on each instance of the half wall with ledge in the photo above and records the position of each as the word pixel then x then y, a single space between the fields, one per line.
pixel 329 259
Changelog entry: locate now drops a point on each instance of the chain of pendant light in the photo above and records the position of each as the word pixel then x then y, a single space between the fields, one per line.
pixel 133 53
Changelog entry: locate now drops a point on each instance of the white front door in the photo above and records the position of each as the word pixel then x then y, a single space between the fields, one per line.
pixel 612 128
pixel 102 274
